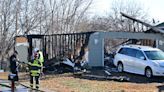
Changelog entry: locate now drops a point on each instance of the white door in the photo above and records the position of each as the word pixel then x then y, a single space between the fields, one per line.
pixel 140 62
pixel 129 63
pixel 129 60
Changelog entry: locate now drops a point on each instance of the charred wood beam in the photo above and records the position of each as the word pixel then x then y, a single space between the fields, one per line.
pixel 156 29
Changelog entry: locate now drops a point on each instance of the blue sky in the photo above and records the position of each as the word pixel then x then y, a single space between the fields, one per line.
pixel 155 8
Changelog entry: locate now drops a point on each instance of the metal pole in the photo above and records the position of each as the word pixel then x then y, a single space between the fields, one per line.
pixel 56 45
pixel 52 46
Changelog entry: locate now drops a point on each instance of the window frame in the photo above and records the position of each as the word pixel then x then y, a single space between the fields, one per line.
pixel 131 55
pixel 142 54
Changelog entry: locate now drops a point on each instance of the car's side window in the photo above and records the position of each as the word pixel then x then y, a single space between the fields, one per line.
pixel 140 55
pixel 131 52
pixel 123 51
pixel 128 51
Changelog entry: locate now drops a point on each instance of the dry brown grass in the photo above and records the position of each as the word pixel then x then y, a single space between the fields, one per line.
pixel 71 84
pixel 4 75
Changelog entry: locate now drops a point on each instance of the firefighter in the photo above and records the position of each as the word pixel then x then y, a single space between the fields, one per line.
pixel 40 57
pixel 35 70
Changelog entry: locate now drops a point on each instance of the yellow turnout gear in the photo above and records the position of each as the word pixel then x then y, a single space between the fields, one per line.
pixel 41 58
pixel 35 67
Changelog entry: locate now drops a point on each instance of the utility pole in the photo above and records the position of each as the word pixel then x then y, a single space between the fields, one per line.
pixel 16 21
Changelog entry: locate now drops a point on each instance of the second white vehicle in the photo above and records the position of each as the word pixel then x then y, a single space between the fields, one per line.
pixel 139 59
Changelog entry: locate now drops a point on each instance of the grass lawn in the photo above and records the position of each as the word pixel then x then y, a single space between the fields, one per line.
pixel 68 83
pixel 71 84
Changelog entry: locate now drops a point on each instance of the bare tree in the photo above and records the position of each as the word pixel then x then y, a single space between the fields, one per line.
pixel 131 7
pixel 67 14
pixel 115 22
pixel 22 17
pixel 30 16
pixel 100 23
pixel 7 21
pixel 14 20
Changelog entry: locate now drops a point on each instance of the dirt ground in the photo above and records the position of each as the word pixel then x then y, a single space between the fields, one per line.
pixel 70 83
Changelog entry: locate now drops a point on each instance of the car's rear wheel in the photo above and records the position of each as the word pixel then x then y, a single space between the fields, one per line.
pixel 120 67
pixel 148 72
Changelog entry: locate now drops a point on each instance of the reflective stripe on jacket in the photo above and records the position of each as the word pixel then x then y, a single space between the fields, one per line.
pixel 41 58
pixel 35 67
pixel 35 72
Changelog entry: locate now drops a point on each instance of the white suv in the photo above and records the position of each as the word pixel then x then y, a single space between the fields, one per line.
pixel 139 59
